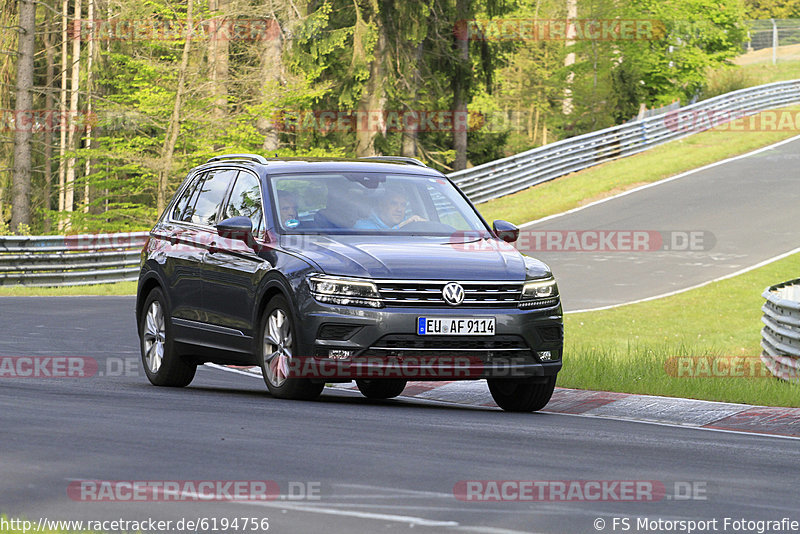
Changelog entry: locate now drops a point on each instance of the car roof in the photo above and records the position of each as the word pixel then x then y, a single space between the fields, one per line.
pixel 320 165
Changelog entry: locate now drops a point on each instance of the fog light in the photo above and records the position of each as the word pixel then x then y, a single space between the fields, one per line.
pixel 339 354
pixel 545 355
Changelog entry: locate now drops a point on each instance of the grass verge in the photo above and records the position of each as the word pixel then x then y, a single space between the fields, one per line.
pixel 120 288
pixel 669 346
pixel 608 179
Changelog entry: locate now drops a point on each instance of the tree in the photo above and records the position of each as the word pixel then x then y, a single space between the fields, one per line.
pixel 372 104
pixel 21 202
pixel 173 128
pixel 461 85
pixel 74 121
pixel 767 9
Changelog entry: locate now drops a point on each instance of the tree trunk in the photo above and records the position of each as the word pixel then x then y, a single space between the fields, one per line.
pixel 370 117
pixel 572 14
pixel 461 79
pixel 8 41
pixel 218 56
pixel 89 61
pixel 272 79
pixel 50 75
pixel 62 112
pixel 171 136
pixel 74 121
pixel 411 128
pixel 23 132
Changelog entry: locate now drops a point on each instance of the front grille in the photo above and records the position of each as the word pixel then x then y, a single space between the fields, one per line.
pixel 451 342
pixel 429 294
pixel 410 345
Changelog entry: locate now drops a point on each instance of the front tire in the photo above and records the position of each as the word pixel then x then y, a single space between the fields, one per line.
pixel 385 388
pixel 162 365
pixel 276 354
pixel 522 395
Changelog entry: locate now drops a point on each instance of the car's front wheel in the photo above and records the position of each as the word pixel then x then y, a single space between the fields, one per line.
pixel 162 365
pixel 385 388
pixel 514 395
pixel 277 354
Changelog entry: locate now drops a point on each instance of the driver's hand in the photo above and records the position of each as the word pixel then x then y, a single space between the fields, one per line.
pixel 413 218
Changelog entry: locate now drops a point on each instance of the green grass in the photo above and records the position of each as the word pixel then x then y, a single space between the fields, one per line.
pixel 610 178
pixel 633 348
pixel 120 288
pixel 749 74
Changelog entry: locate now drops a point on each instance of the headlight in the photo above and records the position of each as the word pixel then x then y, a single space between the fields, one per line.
pixel 344 291
pixel 540 289
pixel 539 294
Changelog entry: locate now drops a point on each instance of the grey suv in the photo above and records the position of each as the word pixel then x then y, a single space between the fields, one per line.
pixel 377 270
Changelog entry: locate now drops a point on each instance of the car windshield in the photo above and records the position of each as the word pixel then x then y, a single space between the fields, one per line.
pixel 371 203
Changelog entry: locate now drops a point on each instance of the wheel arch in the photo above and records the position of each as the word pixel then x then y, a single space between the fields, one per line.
pixel 146 285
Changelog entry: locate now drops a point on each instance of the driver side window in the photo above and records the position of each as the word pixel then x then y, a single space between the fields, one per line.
pixel 245 201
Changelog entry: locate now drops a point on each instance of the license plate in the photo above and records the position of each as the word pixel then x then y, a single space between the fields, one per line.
pixel 455 326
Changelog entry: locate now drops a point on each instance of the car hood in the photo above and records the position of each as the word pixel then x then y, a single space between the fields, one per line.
pixel 415 257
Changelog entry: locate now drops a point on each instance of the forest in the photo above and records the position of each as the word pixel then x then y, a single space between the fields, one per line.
pixel 106 104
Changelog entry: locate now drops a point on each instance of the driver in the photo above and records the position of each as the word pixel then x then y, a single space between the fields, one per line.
pixel 287 207
pixel 390 214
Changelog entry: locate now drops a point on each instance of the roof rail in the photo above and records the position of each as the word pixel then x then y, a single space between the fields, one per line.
pixel 251 157
pixel 397 159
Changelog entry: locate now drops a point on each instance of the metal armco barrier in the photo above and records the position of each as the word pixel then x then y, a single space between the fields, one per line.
pixel 510 175
pixel 70 260
pixel 780 337
pixel 105 258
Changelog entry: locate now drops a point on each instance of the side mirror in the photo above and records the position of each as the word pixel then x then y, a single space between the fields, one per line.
pixel 505 230
pixel 236 228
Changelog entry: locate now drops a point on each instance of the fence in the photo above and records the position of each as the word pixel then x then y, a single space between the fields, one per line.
pixel 509 175
pixel 772 33
pixel 70 260
pixel 780 337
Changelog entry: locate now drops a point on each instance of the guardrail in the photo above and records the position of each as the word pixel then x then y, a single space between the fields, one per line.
pixel 105 258
pixel 780 337
pixel 521 171
pixel 70 260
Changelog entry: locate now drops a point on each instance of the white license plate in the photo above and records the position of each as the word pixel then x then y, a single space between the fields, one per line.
pixel 455 326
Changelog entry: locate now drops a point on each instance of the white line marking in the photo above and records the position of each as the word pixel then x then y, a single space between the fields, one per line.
pixel 664 181
pixel 231 370
pixel 675 425
pixel 406 492
pixel 677 291
pixel 410 520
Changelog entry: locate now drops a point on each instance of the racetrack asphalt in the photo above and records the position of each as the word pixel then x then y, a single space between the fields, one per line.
pixel 370 466
pixel 740 213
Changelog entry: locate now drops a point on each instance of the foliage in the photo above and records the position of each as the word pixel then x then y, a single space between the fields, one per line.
pixel 327 49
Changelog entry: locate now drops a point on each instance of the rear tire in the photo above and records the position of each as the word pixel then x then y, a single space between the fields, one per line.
pixel 276 354
pixel 522 395
pixel 162 365
pixel 385 388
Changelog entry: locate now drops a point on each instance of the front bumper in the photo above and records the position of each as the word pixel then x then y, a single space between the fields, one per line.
pixel 340 343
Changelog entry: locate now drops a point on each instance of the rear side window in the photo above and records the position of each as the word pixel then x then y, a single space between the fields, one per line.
pixel 184 207
pixel 212 193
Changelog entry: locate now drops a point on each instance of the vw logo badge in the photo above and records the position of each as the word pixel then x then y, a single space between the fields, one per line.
pixel 453 294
